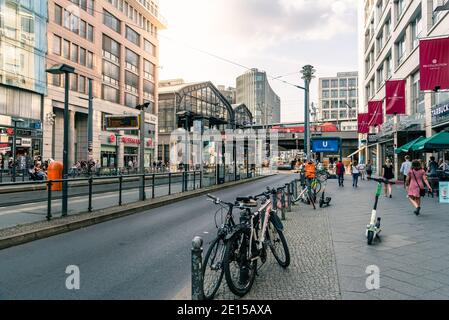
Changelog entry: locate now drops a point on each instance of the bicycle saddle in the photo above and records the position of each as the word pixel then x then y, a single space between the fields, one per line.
pixel 248 201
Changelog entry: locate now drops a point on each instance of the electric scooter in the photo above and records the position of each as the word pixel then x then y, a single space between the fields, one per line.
pixel 324 201
pixel 373 228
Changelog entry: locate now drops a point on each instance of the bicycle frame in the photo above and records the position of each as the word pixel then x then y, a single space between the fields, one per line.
pixel 267 208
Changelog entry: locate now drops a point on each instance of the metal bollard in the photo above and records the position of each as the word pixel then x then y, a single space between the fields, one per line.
pixel 120 187
pixel 201 179
pixel 49 185
pixel 169 183
pixel 295 188
pixel 283 204
pixel 89 208
pixel 152 185
pixel 289 202
pixel 197 269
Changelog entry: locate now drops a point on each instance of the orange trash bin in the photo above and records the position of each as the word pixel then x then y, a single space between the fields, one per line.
pixel 54 172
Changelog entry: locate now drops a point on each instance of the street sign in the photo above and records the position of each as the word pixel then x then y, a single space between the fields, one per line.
pixel 122 122
pixel 444 191
pixel 325 145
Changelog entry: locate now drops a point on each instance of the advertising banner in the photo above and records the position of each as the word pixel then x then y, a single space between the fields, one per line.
pixel 434 64
pixel 444 191
pixel 375 111
pixel 395 96
pixel 363 123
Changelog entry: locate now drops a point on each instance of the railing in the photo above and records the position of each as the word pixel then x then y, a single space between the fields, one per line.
pixel 37 199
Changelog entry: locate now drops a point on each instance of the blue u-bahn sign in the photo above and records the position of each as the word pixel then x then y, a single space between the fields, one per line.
pixel 326 145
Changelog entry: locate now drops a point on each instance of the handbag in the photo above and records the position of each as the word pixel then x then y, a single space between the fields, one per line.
pixel 422 191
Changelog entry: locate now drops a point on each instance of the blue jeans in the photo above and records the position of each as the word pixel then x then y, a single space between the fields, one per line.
pixel 355 179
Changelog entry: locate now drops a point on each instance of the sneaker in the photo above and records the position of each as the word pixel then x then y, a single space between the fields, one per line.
pixel 390 196
pixel 417 211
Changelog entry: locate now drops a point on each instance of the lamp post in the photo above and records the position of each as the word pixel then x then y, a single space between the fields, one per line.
pixel 308 72
pixel 66 70
pixel 90 130
pixel 14 157
pixel 142 109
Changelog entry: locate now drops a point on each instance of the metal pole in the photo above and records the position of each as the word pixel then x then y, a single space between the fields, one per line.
pixel 306 118
pixel 89 208
pixel 116 154
pixel 142 153
pixel 14 138
pixel 49 185
pixel 197 269
pixel 90 128
pixel 65 159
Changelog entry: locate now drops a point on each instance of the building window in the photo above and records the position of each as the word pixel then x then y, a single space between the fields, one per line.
pixel 90 7
pixel 58 15
pixel 111 73
pixel 111 21
pixel 388 28
pixel 56 45
pixel 83 31
pixel 380 42
pixel 325 94
pixel 343 93
pixel 334 83
pixel 110 94
pixel 334 93
pixel 73 82
pixel 131 82
pixel 74 53
pixel 416 30
pixel 389 61
pixel 380 76
pixel 83 56
pixel 132 36
pixel 334 104
pixel 131 60
pixel 150 48
pixel 400 6
pixel 418 95
pixel 82 84
pixel 352 82
pixel 131 100
pixel 55 79
pixel 148 70
pixel 111 49
pixel 90 33
pixel 74 24
pixel 66 19
pixel 400 49
pixel 66 50
pixel 148 90
pixel 325 84
pixel 90 60
pixel 352 92
pixel 325 104
pixel 343 83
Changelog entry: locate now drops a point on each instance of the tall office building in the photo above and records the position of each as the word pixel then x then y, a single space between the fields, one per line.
pixel 338 100
pixel 113 43
pixel 390 38
pixel 256 93
pixel 229 92
pixel 23 45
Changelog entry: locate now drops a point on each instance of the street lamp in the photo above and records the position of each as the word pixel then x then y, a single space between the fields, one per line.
pixel 14 138
pixel 142 109
pixel 308 72
pixel 66 70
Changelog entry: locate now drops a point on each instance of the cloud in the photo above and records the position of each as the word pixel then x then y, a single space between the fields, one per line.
pixel 265 23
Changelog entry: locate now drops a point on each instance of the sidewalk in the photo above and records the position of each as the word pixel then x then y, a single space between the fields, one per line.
pixel 330 255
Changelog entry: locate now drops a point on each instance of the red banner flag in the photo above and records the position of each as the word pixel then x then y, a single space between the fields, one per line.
pixel 375 112
pixel 395 96
pixel 363 123
pixel 434 63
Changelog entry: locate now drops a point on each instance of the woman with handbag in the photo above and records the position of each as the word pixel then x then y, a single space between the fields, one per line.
pixel 416 179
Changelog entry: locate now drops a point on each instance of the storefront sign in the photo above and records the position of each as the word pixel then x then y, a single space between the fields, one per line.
pixel 3 138
pixel 129 140
pixel 325 145
pixel 434 64
pixel 444 191
pixel 5 120
pixel 372 138
pixel 26 142
pixel 440 113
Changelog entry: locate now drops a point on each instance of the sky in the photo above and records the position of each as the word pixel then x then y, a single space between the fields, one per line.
pixel 276 36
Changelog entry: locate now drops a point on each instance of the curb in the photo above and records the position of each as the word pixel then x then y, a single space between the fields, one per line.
pixel 108 214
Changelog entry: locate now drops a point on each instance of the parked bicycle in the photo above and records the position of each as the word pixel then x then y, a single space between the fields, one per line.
pixel 306 194
pixel 213 261
pixel 249 242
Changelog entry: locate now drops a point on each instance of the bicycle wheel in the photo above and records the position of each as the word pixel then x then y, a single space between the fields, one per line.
pixel 213 268
pixel 278 245
pixel 239 270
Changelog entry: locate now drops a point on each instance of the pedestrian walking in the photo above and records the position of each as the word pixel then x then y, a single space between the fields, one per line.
pixel 387 174
pixel 416 179
pixel 405 168
pixel 362 169
pixel 340 171
pixel 355 174
pixel 369 169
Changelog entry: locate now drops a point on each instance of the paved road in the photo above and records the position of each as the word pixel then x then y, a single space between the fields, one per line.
pixel 31 206
pixel 143 256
